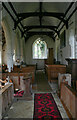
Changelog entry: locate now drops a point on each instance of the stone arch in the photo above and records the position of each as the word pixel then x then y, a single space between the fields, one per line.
pixel 8 38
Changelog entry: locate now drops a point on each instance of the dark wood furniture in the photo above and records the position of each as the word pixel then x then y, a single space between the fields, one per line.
pixel 69 99
pixel 53 70
pixel 17 76
pixel 6 98
pixel 27 81
pixel 49 60
pixel 72 69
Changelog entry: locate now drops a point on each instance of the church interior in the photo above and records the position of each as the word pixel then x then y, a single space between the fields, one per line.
pixel 38 60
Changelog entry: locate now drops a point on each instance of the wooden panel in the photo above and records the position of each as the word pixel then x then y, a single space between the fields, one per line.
pixel 49 61
pixel 6 94
pixel 69 98
pixel 17 77
pixel 72 69
pixel 22 84
pixel 53 71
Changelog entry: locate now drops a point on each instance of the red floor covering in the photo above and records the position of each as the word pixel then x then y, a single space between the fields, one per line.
pixel 45 107
pixel 18 93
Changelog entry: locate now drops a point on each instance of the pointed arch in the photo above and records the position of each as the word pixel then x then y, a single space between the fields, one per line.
pixel 39 49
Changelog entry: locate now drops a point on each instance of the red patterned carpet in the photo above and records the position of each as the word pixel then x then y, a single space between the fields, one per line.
pixel 45 107
pixel 19 93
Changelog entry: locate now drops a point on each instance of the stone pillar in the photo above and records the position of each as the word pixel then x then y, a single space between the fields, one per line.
pixel 0 56
pixel 13 45
pixel 8 38
pixel 17 45
pixel 23 44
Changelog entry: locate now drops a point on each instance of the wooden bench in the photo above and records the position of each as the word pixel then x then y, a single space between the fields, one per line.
pixel 6 99
pixel 52 71
pixel 17 76
pixel 69 98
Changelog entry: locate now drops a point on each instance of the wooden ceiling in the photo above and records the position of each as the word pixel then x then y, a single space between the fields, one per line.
pixel 39 18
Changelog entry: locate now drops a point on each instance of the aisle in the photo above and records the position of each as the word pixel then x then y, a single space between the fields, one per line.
pixel 42 82
pixel 25 109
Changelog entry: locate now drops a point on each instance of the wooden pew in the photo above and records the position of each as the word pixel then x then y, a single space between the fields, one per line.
pixel 69 98
pixel 53 70
pixel 6 99
pixel 17 76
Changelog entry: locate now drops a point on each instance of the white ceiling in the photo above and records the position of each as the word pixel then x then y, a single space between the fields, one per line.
pixel 34 6
pixel 25 7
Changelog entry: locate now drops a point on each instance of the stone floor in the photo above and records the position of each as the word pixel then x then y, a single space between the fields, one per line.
pixel 54 87
pixel 24 109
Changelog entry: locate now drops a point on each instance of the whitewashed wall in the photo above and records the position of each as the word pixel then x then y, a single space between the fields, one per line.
pixel 69 50
pixel 24 50
pixel 28 50
pixel 4 55
pixel 13 41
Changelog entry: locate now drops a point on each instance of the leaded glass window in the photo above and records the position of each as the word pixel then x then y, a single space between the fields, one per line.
pixel 40 49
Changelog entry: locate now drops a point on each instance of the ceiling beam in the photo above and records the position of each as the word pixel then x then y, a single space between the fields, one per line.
pixel 32 14
pixel 13 9
pixel 23 16
pixel 71 4
pixel 8 11
pixel 30 34
pixel 26 38
pixel 3 4
pixel 27 28
pixel 66 12
pixel 68 18
pixel 38 26
pixel 40 32
pixel 72 13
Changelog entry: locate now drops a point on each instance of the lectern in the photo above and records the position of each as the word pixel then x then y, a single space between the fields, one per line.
pixel 27 81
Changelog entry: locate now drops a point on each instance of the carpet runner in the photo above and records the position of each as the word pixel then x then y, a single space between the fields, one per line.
pixel 19 93
pixel 45 107
pixel 42 82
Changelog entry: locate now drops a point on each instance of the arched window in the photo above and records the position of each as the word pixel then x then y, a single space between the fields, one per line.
pixel 40 49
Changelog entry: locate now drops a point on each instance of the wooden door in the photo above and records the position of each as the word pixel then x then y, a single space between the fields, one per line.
pixel 49 60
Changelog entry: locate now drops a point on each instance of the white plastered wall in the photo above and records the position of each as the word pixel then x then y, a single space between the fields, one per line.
pixel 14 42
pixel 69 50
pixel 8 49
pixel 29 52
